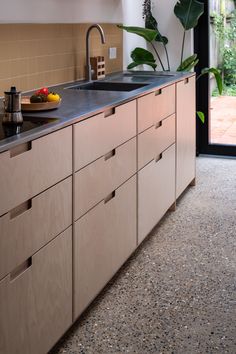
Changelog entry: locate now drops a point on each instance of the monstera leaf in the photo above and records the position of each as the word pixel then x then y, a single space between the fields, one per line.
pixel 142 56
pixel 148 34
pixel 188 63
pixel 151 23
pixel 188 12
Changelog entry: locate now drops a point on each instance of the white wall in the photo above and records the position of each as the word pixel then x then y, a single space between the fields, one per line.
pixel 64 11
pixel 169 26
pixel 111 11
pixel 132 16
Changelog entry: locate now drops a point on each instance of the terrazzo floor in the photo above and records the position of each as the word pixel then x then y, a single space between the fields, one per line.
pixel 177 293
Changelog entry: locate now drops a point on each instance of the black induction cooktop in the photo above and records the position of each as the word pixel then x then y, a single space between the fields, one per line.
pixel 29 123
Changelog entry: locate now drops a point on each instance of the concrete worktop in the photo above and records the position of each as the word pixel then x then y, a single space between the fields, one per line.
pixel 78 105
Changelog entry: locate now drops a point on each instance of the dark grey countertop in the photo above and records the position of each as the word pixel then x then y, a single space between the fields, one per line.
pixel 80 104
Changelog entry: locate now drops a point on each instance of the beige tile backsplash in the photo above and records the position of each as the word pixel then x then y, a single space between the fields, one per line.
pixel 36 55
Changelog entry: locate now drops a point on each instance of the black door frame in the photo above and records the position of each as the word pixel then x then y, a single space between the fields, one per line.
pixel 201 47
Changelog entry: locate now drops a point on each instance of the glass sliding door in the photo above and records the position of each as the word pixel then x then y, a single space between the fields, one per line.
pixel 215 43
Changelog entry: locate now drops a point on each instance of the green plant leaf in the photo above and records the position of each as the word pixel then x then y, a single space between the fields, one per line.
pixel 217 75
pixel 148 34
pixel 201 115
pixel 188 12
pixel 142 56
pixel 188 63
pixel 134 64
pixel 151 23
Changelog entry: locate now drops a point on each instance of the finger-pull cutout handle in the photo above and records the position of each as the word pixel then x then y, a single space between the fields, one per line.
pixel 20 149
pixel 158 158
pixel 20 209
pixel 158 92
pixel 110 197
pixel 158 125
pixel 110 154
pixel 21 269
pixel 186 81
pixel 109 112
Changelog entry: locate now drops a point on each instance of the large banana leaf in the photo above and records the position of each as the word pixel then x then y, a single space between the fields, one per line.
pixel 151 23
pixel 217 75
pixel 188 63
pixel 188 12
pixel 148 34
pixel 142 56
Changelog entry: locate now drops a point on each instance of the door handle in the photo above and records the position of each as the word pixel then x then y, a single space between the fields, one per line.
pixel 20 149
pixel 20 269
pixel 20 209
pixel 110 197
pixel 110 154
pixel 158 158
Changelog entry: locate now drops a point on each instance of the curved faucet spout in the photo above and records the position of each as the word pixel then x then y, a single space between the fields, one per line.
pixel 88 65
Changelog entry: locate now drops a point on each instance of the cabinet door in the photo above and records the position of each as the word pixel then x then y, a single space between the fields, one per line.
pixel 155 106
pixel 104 238
pixel 156 191
pixel 36 300
pixel 32 167
pixel 185 134
pixel 26 229
pixel 95 181
pixel 156 139
pixel 96 136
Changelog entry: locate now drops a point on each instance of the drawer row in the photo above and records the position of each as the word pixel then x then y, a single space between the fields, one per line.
pixel 30 226
pixel 26 222
pixel 32 167
pixel 103 239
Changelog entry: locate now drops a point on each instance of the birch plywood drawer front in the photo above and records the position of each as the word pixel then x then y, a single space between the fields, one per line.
pixel 155 106
pixel 30 168
pixel 156 191
pixel 95 181
pixel 36 299
pixel 104 238
pixel 97 135
pixel 27 228
pixel 155 140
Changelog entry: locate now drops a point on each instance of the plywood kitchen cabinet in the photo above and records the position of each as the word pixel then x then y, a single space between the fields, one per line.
pixel 105 233
pixel 104 238
pixel 185 134
pixel 27 228
pixel 102 133
pixel 155 106
pixel 153 141
pixel 70 223
pixel 36 299
pixel 36 243
pixel 98 179
pixel 156 191
pixel 156 158
pixel 32 167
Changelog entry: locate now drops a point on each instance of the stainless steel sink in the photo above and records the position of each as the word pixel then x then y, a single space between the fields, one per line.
pixel 108 86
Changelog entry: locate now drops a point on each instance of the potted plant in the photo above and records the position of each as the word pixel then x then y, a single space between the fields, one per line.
pixel 188 12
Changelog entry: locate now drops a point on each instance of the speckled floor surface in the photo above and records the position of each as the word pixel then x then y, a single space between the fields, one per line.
pixel 177 294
